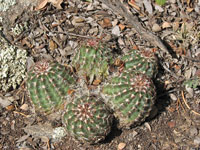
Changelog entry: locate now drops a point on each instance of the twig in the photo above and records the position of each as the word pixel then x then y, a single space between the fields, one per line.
pixel 21 114
pixel 179 102
pixel 172 73
pixel 117 6
pixel 184 100
pixel 192 59
pixel 73 34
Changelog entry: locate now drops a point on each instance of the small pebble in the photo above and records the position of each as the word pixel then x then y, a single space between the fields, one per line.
pixel 197 140
pixel 173 97
pixel 172 1
pixel 121 146
pixel 171 124
pixel 193 131
pixel 116 31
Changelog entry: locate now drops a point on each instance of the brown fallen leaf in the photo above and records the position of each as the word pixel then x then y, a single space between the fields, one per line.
pixel 56 3
pixel 70 92
pixel 52 45
pixel 10 108
pixel 166 25
pixel 122 27
pixel 42 4
pixel 105 23
pixel 133 4
pixel 189 9
pixel 24 107
pixel 171 124
pixel 96 82
pixel 121 146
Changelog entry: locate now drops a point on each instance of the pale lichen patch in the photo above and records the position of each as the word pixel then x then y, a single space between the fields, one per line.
pixel 6 4
pixel 13 65
pixel 19 28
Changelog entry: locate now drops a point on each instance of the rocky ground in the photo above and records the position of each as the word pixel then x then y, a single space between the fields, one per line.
pixel 54 30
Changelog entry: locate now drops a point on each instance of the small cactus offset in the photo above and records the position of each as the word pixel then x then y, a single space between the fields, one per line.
pixel 131 96
pixel 48 84
pixel 91 63
pixel 141 61
pixel 87 119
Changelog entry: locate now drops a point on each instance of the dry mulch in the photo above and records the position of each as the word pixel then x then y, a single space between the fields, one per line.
pixel 55 33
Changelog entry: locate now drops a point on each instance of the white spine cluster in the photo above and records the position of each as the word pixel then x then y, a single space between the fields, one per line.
pixel 13 65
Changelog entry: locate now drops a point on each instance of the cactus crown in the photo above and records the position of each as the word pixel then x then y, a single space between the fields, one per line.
pixel 131 96
pixel 48 83
pixel 42 67
pixel 91 62
pixel 87 119
pixel 141 61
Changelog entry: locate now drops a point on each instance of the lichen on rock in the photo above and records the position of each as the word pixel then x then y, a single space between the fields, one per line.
pixel 13 65
pixel 5 4
pixel 19 28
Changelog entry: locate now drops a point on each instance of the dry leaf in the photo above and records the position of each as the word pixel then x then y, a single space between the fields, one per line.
pixel 24 107
pixel 56 3
pixel 133 4
pixel 122 27
pixel 189 9
pixel 96 82
pixel 42 4
pixel 121 146
pixel 171 124
pixel 39 130
pixel 156 27
pixel 105 23
pixel 148 6
pixel 175 26
pixel 70 92
pixel 5 101
pixel 166 25
pixel 52 45
pixel 45 130
pixel 10 108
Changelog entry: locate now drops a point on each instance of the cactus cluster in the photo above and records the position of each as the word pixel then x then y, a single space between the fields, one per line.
pixel 128 94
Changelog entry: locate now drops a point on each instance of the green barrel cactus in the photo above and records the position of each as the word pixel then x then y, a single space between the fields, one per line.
pixel 131 96
pixel 87 119
pixel 141 61
pixel 91 63
pixel 48 84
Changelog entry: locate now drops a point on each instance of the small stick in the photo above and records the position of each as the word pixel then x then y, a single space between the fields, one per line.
pixel 21 114
pixel 185 101
pixel 73 34
pixel 181 105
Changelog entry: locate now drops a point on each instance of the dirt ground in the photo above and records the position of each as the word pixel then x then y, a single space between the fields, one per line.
pixel 54 33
